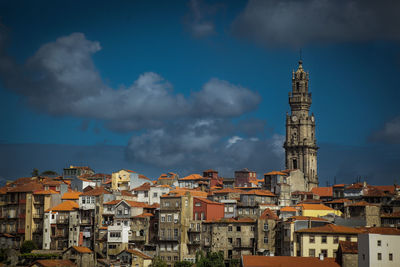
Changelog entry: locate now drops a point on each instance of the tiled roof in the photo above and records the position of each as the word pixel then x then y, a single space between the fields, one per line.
pixel 372 191
pixel 54 263
pixel 28 187
pixel 275 173
pixel 112 202
pixel 67 205
pixel 136 204
pixel 391 215
pixel 331 229
pixel 355 186
pixel 314 207
pixel 339 185
pixel 380 230
pixel 181 192
pixel 45 192
pixel 210 170
pixel 71 195
pixel 269 215
pixel 323 191
pixel 194 177
pixel 141 176
pixel 138 253
pixel 288 209
pixel 361 203
pixel 143 187
pixel 348 247
pixel 82 249
pixel 228 190
pixel 259 192
pixel 338 201
pixel 287 261
pixel 205 200
pixel 307 218
pixel 387 188
pixel 97 191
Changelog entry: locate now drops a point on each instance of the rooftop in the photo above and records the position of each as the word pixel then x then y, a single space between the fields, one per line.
pixel 323 191
pixel 348 247
pixel 331 229
pixel 287 261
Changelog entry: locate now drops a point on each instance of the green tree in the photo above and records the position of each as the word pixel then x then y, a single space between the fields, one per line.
pixel 158 262
pixel 183 264
pixel 28 246
pixel 212 259
pixel 234 263
pixel 35 172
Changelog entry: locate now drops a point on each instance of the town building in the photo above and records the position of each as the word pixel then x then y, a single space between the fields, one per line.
pixel 81 256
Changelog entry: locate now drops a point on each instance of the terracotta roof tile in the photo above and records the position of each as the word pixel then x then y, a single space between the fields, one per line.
pixel 138 253
pixel 205 200
pixel 307 218
pixel 193 177
pixel 28 187
pixel 67 205
pixel 82 249
pixel 259 192
pixel 287 261
pixel 323 191
pixel 338 201
pixel 361 204
pixel 380 230
pixel 71 195
pixel 45 192
pixel 348 247
pixel 269 215
pixel 288 209
pixel 144 215
pixel 314 207
pixel 332 229
pixel 97 191
pixel 391 215
pixel 143 187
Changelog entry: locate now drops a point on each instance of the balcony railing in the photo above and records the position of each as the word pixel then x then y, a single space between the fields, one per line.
pixel 62 221
pixel 169 238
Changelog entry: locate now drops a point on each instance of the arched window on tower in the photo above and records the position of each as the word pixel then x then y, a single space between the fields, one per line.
pixel 297 86
pixel 294 163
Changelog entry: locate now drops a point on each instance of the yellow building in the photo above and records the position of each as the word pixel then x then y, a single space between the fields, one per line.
pixel 323 240
pixel 317 210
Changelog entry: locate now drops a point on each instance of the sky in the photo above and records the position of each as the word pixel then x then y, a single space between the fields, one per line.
pixel 184 86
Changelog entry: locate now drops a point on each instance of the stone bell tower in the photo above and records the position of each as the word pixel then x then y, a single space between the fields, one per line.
pixel 300 144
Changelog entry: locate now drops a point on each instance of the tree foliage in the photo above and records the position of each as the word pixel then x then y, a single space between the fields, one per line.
pixel 183 264
pixel 35 172
pixel 158 262
pixel 211 259
pixel 27 246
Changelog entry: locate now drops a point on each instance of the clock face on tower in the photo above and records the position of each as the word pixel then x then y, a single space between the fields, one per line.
pixel 294 118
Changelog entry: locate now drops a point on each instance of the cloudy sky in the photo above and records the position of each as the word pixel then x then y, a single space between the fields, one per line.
pixel 182 86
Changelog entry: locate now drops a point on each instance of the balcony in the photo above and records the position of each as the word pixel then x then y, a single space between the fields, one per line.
pixel 194 230
pixel 62 220
pixel 169 238
pixel 194 242
pixel 37 216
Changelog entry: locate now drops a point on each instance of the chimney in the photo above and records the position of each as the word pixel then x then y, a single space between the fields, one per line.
pixel 321 256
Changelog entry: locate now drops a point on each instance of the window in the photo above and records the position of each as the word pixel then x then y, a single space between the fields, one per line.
pixel 92 198
pixel 348 238
pixel 238 229
pixel 335 239
pixel 169 218
pixel 334 253
pixel 175 258
pixel 176 233
pixel 379 256
pixel 186 202
pixel 312 239
pixel 146 194
pixel 163 218
pixel 166 204
pixel 324 252
pixel 202 216
pixel 265 239
pixel 295 164
pixel 230 228
pixel 265 226
pixel 390 256
pixel 323 239
pixel 155 194
pixel 253 228
pixel 230 240
pixel 126 223
pixel 379 243
pixel 198 204
pixel 126 211
pixel 311 252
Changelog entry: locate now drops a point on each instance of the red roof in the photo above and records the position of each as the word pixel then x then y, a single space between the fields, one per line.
pixel 67 205
pixel 331 229
pixel 380 230
pixel 205 200
pixel 194 177
pixel 307 218
pixel 288 209
pixel 275 173
pixel 348 247
pixel 82 249
pixel 338 201
pixel 54 263
pixel 287 261
pixel 97 191
pixel 314 207
pixel 143 187
pixel 138 253
pixel 269 215
pixel 323 191
pixel 259 193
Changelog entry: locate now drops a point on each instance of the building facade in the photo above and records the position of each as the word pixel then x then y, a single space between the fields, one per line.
pixel 301 144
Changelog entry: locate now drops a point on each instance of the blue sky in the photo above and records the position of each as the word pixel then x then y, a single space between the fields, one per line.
pixel 156 86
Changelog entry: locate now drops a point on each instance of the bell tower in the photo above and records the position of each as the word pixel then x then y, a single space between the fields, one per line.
pixel 300 144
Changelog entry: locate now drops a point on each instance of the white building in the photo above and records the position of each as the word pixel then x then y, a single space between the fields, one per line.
pixel 150 193
pixel 379 247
